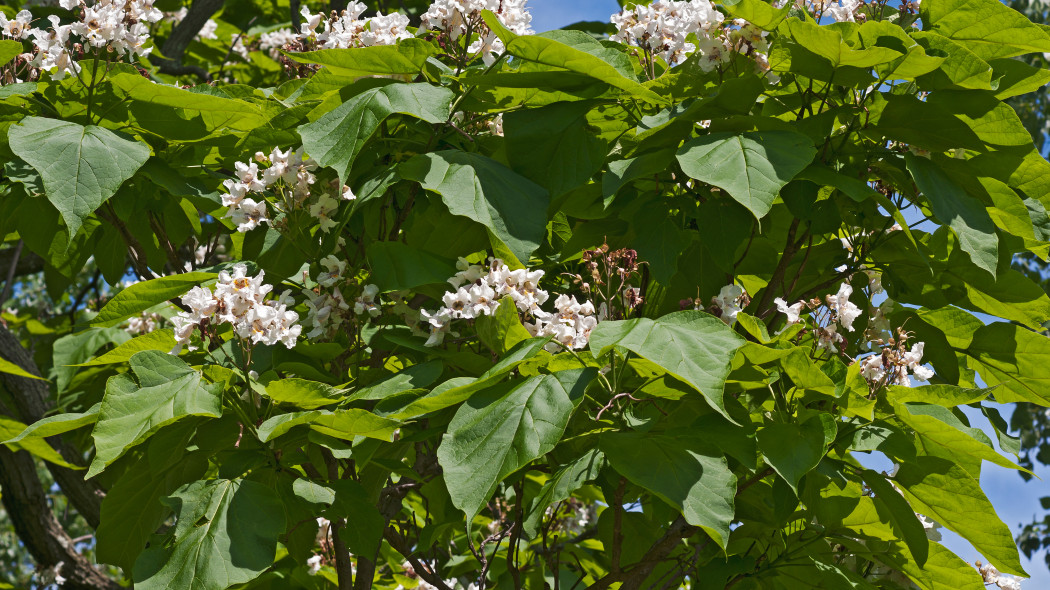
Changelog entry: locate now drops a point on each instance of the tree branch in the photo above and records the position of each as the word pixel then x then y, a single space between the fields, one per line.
pixel 32 401
pixel 27 507
pixel 181 35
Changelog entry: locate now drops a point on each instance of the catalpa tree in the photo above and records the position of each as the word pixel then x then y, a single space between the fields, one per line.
pixel 305 296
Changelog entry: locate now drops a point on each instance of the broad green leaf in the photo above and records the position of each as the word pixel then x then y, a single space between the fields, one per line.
pixel 554 146
pixel 948 396
pixel 760 13
pixel 686 472
pixel 455 390
pixel 407 57
pixel 1017 78
pixel 752 167
pixel 900 515
pixel 163 340
pixel 144 295
pixel 341 424
pixel 912 64
pixel 562 484
pixel 303 393
pixel 942 434
pixel 621 172
pixel 337 138
pixel 396 266
pixel 944 492
pixel 81 166
pixel 502 330
pixel 159 390
pixel 795 449
pixel 987 27
pixel 12 430
pixel 9 50
pixel 133 510
pixel 78 347
pixel 964 214
pixel 226 534
pixel 1016 359
pixel 554 53
pixel 503 429
pixel 694 346
pixel 512 207
pixel 182 113
pixel 57 424
pixel 828 43
pixel 993 121
pixel 414 377
pixel 943 569
pixel 961 67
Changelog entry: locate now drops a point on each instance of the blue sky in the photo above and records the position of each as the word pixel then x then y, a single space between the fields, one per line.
pixel 1015 501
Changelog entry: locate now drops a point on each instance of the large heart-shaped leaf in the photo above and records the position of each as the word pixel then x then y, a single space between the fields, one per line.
pixel 504 428
pixel 752 167
pixel 159 390
pixel 81 166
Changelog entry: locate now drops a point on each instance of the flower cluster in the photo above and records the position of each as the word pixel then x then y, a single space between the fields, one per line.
pixel 892 364
pixel 348 29
pixel 456 18
pixel 238 300
pixel 993 576
pixel 663 27
pixel 120 26
pixel 480 288
pixel 286 171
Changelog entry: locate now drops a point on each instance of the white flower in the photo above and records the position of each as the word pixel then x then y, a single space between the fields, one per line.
pixel 931 527
pixel 792 311
pixel 729 301
pixel 248 214
pixel 314 563
pixel 323 210
pixel 367 302
pixel 845 311
pixel 334 269
pixel 873 368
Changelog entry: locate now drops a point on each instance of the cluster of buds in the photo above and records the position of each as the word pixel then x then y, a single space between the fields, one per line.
pixel 238 300
pixel 327 309
pixel 609 276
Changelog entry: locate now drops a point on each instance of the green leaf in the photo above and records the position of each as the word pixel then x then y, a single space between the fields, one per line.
pixel 183 114
pixel 396 266
pixel 1015 358
pixel 553 145
pixel 303 393
pixel 81 166
pixel 961 67
pixel 13 430
pixel 760 13
pixel 10 368
pixel 342 424
pixel 948 396
pixel 987 27
pixel 132 510
pixel 694 346
pixel 163 340
pixel 621 172
pixel 752 167
pixel 942 434
pixel 226 534
pixel 828 43
pixel 503 429
pixel 900 515
pixel 79 347
pixel 512 207
pixel 337 138
pixel 554 53
pixel 1017 78
pixel 141 296
pixel 964 214
pixel 455 390
pixel 407 57
pixel 57 424
pixel 944 492
pixel 162 391
pixel 684 471
pixel 562 484
pixel 502 330
pixel 795 449
pixel 9 50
